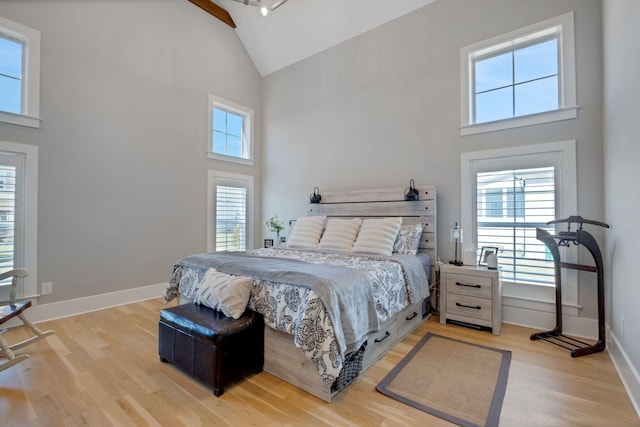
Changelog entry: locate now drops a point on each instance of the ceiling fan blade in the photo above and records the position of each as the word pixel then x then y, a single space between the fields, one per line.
pixel 278 4
pixel 215 10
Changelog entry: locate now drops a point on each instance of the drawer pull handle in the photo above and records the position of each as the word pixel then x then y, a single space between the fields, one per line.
pixel 411 316
pixel 468 286
pixel 476 307
pixel 386 335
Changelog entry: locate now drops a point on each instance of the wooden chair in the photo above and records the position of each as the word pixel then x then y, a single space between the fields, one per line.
pixel 16 309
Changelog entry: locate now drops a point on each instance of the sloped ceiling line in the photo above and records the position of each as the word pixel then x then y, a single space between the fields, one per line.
pixel 301 28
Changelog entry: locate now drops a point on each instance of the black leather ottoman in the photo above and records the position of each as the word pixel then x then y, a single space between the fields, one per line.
pixel 209 346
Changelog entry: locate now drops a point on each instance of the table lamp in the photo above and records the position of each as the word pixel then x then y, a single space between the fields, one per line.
pixel 456 237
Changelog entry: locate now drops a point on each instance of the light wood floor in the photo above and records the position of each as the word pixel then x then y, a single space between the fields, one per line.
pixel 102 368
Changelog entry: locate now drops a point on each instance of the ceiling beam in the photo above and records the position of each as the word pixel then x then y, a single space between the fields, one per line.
pixel 215 10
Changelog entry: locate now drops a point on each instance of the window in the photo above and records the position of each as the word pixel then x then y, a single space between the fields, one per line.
pixel 227 133
pixel 11 75
pixel 510 205
pixel 18 215
pixel 230 212
pixel 492 206
pixel 516 83
pixel 230 131
pixel 521 78
pixel 506 194
pixel 231 218
pixel 19 74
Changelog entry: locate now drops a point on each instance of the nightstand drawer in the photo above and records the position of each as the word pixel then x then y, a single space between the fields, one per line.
pixel 475 286
pixel 479 308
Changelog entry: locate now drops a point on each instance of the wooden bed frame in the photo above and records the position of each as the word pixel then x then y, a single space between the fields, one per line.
pixel 287 362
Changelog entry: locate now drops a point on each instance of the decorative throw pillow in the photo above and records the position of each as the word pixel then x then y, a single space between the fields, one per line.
pixel 224 292
pixel 408 240
pixel 340 234
pixel 307 231
pixel 377 236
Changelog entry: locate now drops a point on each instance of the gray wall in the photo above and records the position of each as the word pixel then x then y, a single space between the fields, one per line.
pixel 621 155
pixel 122 174
pixel 383 107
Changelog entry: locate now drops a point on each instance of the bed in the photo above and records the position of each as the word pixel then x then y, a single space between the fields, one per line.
pixel 333 312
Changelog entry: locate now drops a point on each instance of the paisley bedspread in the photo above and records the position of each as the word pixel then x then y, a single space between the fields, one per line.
pixel 395 281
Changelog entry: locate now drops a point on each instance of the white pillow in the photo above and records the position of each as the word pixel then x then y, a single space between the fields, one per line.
pixel 307 231
pixel 408 240
pixel 224 292
pixel 340 234
pixel 377 236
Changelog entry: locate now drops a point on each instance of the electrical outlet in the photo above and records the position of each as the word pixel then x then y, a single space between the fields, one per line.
pixel 47 288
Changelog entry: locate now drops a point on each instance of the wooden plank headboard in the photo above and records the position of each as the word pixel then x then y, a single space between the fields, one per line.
pixel 385 202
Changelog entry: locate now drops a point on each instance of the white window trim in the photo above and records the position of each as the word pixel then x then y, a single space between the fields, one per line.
pixel 247 113
pixel 30 114
pixel 29 286
pixel 568 108
pixel 567 204
pixel 232 159
pixel 212 178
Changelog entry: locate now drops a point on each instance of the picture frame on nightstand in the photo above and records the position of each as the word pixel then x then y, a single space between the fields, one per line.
pixel 486 251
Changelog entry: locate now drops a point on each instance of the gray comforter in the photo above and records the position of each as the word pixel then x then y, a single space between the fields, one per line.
pixel 297 310
pixel 345 292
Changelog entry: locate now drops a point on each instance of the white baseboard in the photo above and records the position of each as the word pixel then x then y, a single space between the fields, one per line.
pixel 56 310
pixel 626 371
pixel 575 326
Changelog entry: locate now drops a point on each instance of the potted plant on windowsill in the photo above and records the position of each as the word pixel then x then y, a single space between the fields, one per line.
pixel 275 226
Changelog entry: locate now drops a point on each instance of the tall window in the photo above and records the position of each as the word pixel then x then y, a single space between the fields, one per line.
pixel 509 192
pixel 231 218
pixel 230 212
pixel 510 205
pixel 230 131
pixel 520 78
pixel 19 74
pixel 18 215
pixel 8 214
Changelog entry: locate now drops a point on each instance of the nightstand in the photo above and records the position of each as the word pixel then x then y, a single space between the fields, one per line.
pixel 472 296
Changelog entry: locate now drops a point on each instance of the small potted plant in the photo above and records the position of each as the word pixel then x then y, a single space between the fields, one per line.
pixel 275 226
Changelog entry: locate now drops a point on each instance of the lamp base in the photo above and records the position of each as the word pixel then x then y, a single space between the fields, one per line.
pixel 458 263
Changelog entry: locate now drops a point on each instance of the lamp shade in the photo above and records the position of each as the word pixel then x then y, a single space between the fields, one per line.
pixel 456 233
pixel 456 238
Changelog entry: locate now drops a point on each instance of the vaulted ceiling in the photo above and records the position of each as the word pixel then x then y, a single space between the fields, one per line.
pixel 301 28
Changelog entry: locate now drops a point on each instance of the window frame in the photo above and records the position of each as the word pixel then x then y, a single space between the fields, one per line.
pixel 563 27
pixel 215 178
pixel 29 115
pixel 248 126
pixel 563 156
pixel 28 232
